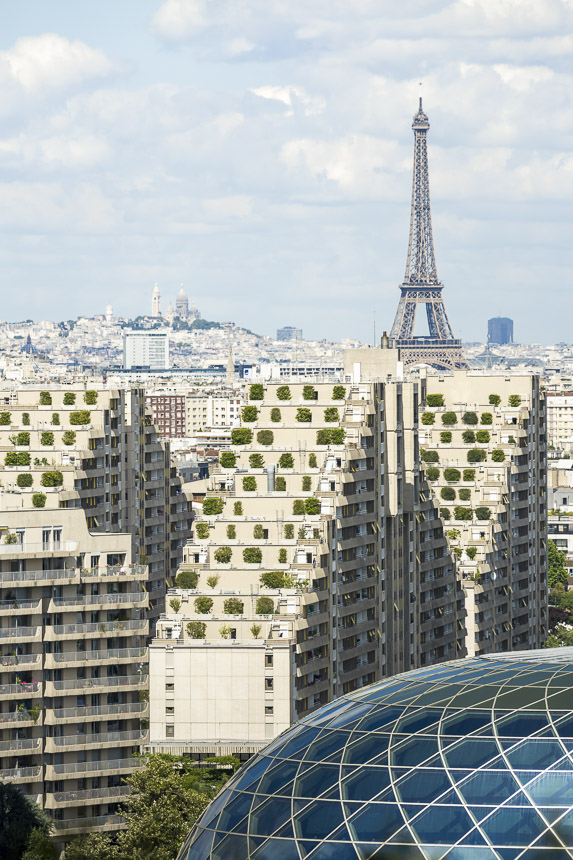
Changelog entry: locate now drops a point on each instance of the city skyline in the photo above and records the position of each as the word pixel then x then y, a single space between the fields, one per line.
pixel 185 143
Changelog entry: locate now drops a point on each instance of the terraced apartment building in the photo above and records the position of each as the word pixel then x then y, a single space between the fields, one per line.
pixel 318 565
pixel 93 521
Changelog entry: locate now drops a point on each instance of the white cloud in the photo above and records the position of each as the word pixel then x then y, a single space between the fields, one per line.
pixel 178 20
pixel 289 96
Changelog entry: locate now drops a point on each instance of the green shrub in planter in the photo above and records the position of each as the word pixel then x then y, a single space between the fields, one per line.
pixel 306 482
pixel 46 438
pixel 462 513
pixel 282 556
pixel 471 552
pixel 470 418
pixel 465 494
pixel 39 500
pixel 69 437
pixel 241 436
pixel 452 474
pixel 432 474
pixel 497 455
pixel 238 509
pixel 446 436
pixel 338 392
pixel 494 399
pixel 273 579
pixel 202 530
pixel 69 398
pixel 256 392
pixel 223 555
pixel 26 419
pixel 482 436
pixel 445 513
pixel 303 415
pixel 309 393
pixel 227 459
pixel 280 484
pixel 265 437
pixel 286 461
pixel 52 479
pixel 17 458
pixel 283 392
pixel 486 418
pixel 203 605
pixel 233 606
pixel 249 413
pixel 231 532
pixel 298 508
pixel 275 414
pixel 23 438
pixel 514 399
pixel 252 555
pixel 81 417
pixel 56 419
pixel 312 506
pixel 187 579
pixel 449 418
pixel 196 629
pixel 483 513
pixel 25 480
pixel 435 400
pixel 213 506
pixel 265 606
pixel 476 455
pixel 331 414
pixel 90 398
pixel 469 474
pixel 428 418
pixel 448 494
pixel 289 531
pixel 256 461
pixel 429 456
pixel 5 418
pixel 45 398
pixel 312 464
pixel 258 532
pixel 337 435
pixel 469 437
pixel 323 437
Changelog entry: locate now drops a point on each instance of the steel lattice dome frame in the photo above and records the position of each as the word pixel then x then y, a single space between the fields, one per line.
pixel 469 760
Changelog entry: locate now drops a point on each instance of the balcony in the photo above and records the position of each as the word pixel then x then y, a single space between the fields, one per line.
pixel 23 690
pixel 98 656
pixel 134 736
pixel 22 774
pixel 77 798
pixel 120 627
pixel 16 717
pixel 122 710
pixel 133 571
pixel 30 744
pixel 8 607
pixel 20 633
pixel 119 765
pixel 101 822
pixel 22 661
pixel 74 684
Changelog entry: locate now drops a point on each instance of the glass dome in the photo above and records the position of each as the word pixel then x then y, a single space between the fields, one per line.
pixel 470 760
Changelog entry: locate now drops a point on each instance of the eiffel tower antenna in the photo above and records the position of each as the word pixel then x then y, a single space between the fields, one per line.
pixel 421 285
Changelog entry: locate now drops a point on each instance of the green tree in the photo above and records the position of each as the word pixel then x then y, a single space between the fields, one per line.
pixel 19 816
pixel 556 570
pixel 40 846
pixel 560 636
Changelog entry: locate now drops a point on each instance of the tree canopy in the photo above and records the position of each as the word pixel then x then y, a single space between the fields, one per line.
pixel 556 570
pixel 20 817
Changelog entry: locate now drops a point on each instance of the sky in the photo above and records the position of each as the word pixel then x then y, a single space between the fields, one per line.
pixel 260 153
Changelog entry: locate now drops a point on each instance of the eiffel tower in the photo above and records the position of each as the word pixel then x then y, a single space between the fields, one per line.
pixel 421 283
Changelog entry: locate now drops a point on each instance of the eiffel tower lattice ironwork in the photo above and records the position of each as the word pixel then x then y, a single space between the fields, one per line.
pixel 421 284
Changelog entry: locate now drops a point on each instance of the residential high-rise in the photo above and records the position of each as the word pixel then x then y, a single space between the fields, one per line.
pixel 289 332
pixel 500 330
pixel 93 526
pixel 146 349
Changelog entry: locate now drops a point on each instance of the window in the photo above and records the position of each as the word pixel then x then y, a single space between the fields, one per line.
pixel 170 686
pixel 268 683
pixel 170 710
pixel 268 659
pixel 269 709
pixel 169 731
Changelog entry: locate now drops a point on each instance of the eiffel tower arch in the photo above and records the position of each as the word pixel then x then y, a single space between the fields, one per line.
pixel 421 285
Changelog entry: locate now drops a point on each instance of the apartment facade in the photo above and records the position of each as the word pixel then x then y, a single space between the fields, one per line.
pixel 319 565
pixel 92 524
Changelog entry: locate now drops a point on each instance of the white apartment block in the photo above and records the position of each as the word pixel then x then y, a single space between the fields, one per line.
pixel 560 420
pixel 146 349
pixel 206 412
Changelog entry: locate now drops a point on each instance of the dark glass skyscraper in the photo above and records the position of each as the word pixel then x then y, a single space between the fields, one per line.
pixel 500 330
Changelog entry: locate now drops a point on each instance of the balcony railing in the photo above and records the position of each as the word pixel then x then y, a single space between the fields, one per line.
pixel 15 717
pixel 101 738
pixel 20 660
pixel 99 627
pixel 84 683
pixel 94 599
pixel 88 823
pixel 22 689
pixel 18 632
pixel 20 605
pixel 116 791
pixel 110 654
pixel 24 744
pixel 21 772
pixel 138 570
pixel 100 710
pixel 112 764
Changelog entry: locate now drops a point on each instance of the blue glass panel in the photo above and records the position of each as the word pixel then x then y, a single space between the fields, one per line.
pixel 564 828
pixel 326 713
pixel 472 752
pixel 327 745
pixel 544 854
pixel 548 840
pixel 379 718
pixel 283 738
pixel 521 725
pixel 350 716
pixel 404 836
pixel 269 816
pixel 234 813
pixel 252 773
pixel 562 701
pixel 376 822
pixel 564 764
pixel 465 723
pixel 512 826
pixel 366 749
pixel 442 825
pixel 474 837
pixel 297 743
pixel 315 779
pixel 364 783
pixel 488 787
pixel 473 697
pixel 277 777
pixel 341 835
pixel 276 849
pixel 535 753
pixel 418 720
pixel 471 853
pixel 214 808
pixel 318 819
pixel 552 787
pixel 232 847
pixel 414 752
pixel 423 786
pixel 201 846
pixel 330 851
pixel 387 852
